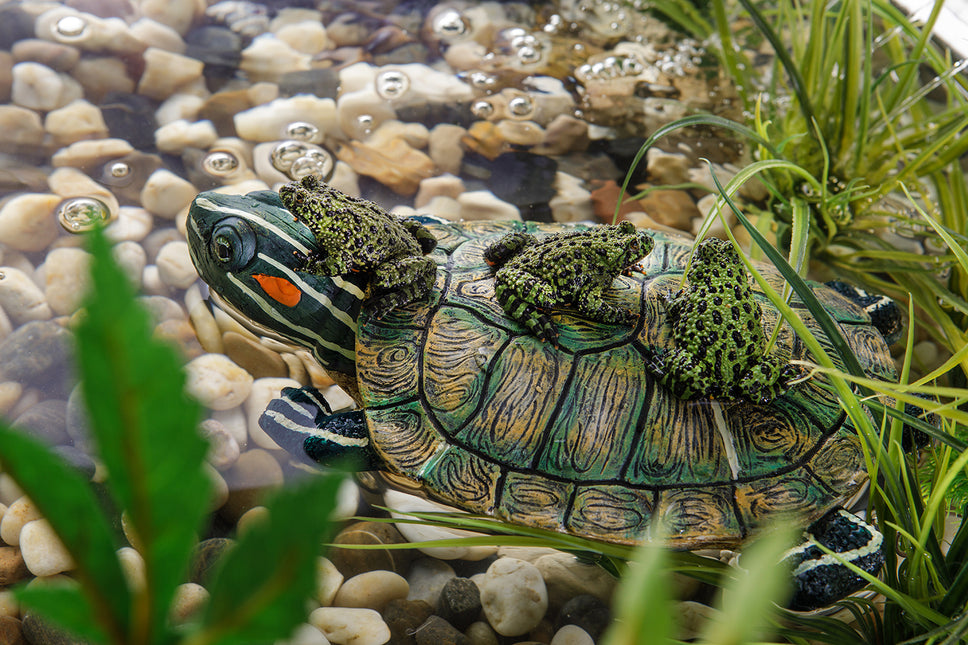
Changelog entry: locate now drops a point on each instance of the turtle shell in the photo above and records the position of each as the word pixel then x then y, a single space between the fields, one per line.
pixel 580 438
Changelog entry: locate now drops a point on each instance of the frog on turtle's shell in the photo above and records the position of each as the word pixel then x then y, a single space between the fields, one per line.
pixel 575 267
pixel 719 340
pixel 356 235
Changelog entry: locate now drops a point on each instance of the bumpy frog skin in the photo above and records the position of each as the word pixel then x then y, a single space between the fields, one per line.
pixel 718 334
pixel 566 268
pixel 356 235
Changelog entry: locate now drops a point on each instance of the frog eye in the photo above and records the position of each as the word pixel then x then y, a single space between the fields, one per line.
pixel 233 244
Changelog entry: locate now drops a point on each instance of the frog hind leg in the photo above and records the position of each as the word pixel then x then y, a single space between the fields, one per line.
pixel 399 282
pixel 498 253
pixel 764 381
pixel 679 372
pixel 525 298
pixel 589 301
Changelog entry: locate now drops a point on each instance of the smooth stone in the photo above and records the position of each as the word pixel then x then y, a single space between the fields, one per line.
pixel 101 77
pixel 445 207
pixel 440 186
pixel 350 626
pixel 206 327
pixel 175 265
pixel 205 558
pixel 255 358
pixel 372 590
pixel 131 257
pixel 220 487
pixel 9 493
pixel 133 567
pixel 306 634
pixel 130 117
pixel 255 474
pixel 404 617
pixel 217 382
pixel 437 631
pixel 46 421
pixel 175 136
pixel 23 131
pixel 16 23
pixel 13 569
pixel 214 46
pixel 71 182
pixel 87 154
pixel 566 576
pixel 21 298
pixel 672 208
pixel 328 581
pixel 165 194
pixel 480 633
pixel 58 57
pixel 362 111
pixel 323 82
pixel 38 87
pixel 36 353
pixel 188 601
pixel 177 14
pixel 305 36
pixel 76 121
pixel 155 34
pixel 263 391
pixel 19 512
pixel 43 552
pixel 132 224
pixel 513 596
pixel 8 604
pixel 394 163
pixel 441 148
pixel 11 631
pixel 564 135
pixel 484 205
pixel 268 122
pixel 67 277
pixel 572 635
pixel 157 239
pixel 38 631
pixel 520 133
pixel 460 602
pixel 351 562
pixel 666 168
pixel 27 221
pixel 427 578
pixel 571 203
pixel 223 449
pixel 267 58
pixel 588 612
pixel 402 503
pixel 10 392
pixel 234 422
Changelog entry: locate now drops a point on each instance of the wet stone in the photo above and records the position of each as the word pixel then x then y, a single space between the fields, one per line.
pixel 58 57
pixel 514 596
pixel 37 354
pixel 130 117
pixel 15 24
pixel 586 611
pixel 12 566
pixel 427 578
pixel 351 562
pixel 519 178
pixel 403 617
pixel 459 603
pixel 323 82
pixel 46 421
pixel 480 633
pixel 215 46
pixel 78 459
pixel 204 558
pixel 37 631
pixel 437 631
pixel 11 631
pixel 371 590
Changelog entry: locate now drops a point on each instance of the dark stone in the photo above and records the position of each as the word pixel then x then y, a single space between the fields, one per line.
pixel 430 114
pixel 403 617
pixel 323 82
pixel 437 631
pixel 46 421
pixel 586 611
pixel 214 45
pixel 351 562
pixel 412 52
pixel 37 631
pixel 78 426
pixel 37 355
pixel 221 107
pixel 622 152
pixel 205 557
pixel 127 188
pixel 130 117
pixel 459 602
pixel 15 24
pixel 521 178
pixel 80 460
pixel 11 632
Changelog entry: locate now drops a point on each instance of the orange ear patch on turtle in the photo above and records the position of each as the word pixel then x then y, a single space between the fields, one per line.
pixel 279 289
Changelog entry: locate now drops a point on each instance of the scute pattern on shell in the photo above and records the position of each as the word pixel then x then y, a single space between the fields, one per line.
pixel 580 438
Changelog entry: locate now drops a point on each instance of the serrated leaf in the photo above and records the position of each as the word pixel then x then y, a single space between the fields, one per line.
pixel 65 499
pixel 145 428
pixel 259 593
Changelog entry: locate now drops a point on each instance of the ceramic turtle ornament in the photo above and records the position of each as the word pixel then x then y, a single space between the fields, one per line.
pixel 463 402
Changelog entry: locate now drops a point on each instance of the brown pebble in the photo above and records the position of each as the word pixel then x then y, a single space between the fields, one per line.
pixel 351 562
pixel 58 57
pixel 604 197
pixel 674 208
pixel 403 617
pixel 395 164
pixel 256 359
pixel 437 631
pixel 181 335
pixel 10 631
pixel 12 566
pixel 484 138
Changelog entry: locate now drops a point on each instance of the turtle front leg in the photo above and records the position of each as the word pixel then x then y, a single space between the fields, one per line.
pixel 821 579
pixel 301 422
pixel 399 282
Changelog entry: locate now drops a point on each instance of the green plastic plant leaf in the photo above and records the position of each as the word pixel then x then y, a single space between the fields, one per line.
pixel 145 429
pixel 65 499
pixel 259 593
pixel 643 603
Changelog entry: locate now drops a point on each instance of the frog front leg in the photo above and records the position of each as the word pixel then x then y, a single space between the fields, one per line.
pixel 587 292
pixel 422 234
pixel 525 298
pixel 399 282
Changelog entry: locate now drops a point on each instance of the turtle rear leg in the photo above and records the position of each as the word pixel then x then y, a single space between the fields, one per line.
pixel 524 298
pixel 400 282
pixel 302 423
pixel 821 579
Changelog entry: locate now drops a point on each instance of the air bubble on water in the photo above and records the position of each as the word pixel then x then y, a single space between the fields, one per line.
pixel 482 109
pixel 119 169
pixel 285 153
pixel 392 84
pixel 529 55
pixel 365 124
pixel 220 163
pixel 521 107
pixel 116 173
pixel 449 24
pixel 70 29
pixel 315 162
pixel 303 131
pixel 80 214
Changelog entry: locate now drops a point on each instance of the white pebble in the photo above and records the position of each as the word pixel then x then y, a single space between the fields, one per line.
pixel 217 382
pixel 372 590
pixel 263 391
pixel 43 552
pixel 21 298
pixel 71 182
pixel 571 203
pixel 306 36
pixel 446 185
pixel 133 224
pixel 328 581
pixel 403 503
pixel 9 493
pixel 268 122
pixel 175 265
pixel 10 392
pixel 19 512
pixel 8 604
pixel 349 626
pixel 513 596
pixel 572 635
pixel 179 107
pixel 38 87
pixel 22 129
pixel 177 14
pixel 306 634
pixel 133 567
pixel 482 204
pixel 166 72
pixel 132 260
pixel 268 58
pixel 67 277
pixel 190 598
pixel 180 134
pixel 360 113
pixel 233 420
pixel 155 34
pixel 27 221
pixel 165 194
pixel 83 154
pixel 76 121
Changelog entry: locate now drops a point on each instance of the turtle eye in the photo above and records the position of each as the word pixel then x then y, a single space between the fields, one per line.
pixel 233 244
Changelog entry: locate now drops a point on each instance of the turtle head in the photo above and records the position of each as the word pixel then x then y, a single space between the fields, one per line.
pixel 249 250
